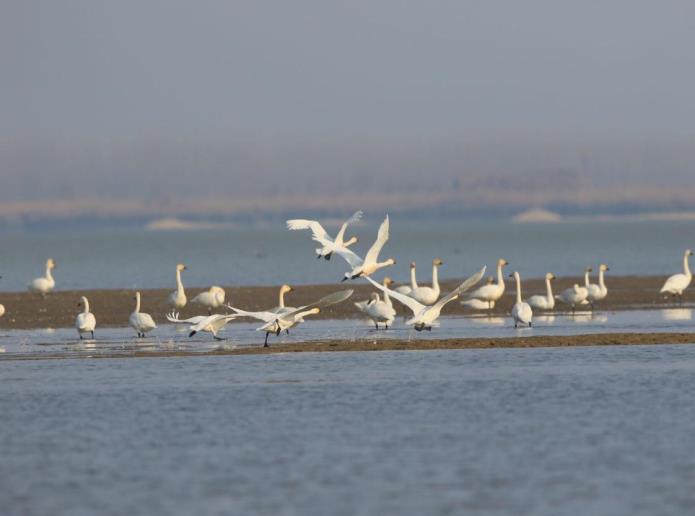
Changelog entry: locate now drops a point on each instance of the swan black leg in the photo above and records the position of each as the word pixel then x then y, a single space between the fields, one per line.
pixel 92 334
pixel 265 344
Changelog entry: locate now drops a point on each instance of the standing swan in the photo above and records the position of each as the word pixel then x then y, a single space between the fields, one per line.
pixel 368 266
pixel 600 291
pixel 177 299
pixel 493 292
pixel 2 308
pixel 329 246
pixel 521 312
pixel 573 296
pixel 546 302
pixel 429 295
pixel 85 321
pixel 377 310
pixel 46 283
pixel 141 322
pixel 676 284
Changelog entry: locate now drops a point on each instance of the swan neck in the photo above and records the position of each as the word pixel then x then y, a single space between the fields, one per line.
pixel 601 280
pixel 86 306
pixel 518 289
pixel 500 276
pixel 49 276
pixel 387 298
pixel 549 290
pixel 686 265
pixel 281 298
pixel 137 302
pixel 413 280
pixel 435 277
pixel 587 282
pixel 179 284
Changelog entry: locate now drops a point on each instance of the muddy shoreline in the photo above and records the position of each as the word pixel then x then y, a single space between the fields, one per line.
pixel 112 307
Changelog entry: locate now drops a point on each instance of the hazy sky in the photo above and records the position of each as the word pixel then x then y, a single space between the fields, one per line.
pixel 92 78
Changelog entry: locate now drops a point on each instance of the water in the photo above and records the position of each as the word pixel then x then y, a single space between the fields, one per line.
pixel 41 343
pixel 578 431
pixel 270 255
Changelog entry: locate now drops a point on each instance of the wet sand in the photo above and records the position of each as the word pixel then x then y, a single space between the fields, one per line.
pixel 112 307
pixel 608 339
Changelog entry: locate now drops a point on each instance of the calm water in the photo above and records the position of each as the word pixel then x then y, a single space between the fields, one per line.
pixel 272 255
pixel 63 342
pixel 599 431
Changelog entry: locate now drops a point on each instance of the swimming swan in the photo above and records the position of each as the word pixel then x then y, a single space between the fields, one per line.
pixel 521 311
pixel 429 295
pixel 493 292
pixel 140 322
pixel 424 316
pixel 177 299
pixel 546 302
pixel 328 245
pixel 211 298
pixel 368 266
pixel 46 283
pixel 85 321
pixel 676 284
pixel 276 323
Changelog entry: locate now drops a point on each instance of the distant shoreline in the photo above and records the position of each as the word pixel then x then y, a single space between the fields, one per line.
pixel 112 307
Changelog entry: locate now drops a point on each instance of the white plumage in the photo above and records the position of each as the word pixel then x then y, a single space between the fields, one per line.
pixel 211 298
pixel 46 283
pixel 546 302
pixel 491 293
pixel 139 321
pixel 521 311
pixel 320 235
pixel 676 284
pixel 370 264
pixel 177 299
pixel 428 295
pixel 85 322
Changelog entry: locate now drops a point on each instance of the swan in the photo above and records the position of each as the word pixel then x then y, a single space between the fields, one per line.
pixel 46 283
pixel 284 289
pixel 521 311
pixel 2 308
pixel 207 323
pixel 493 292
pixel 597 292
pixel 377 310
pixel 329 246
pixel 477 304
pixel 407 289
pixel 546 302
pixel 141 322
pixel 424 316
pixel 573 296
pixel 676 284
pixel 211 298
pixel 429 295
pixel 177 299
pixel 368 266
pixel 276 323
pixel 85 321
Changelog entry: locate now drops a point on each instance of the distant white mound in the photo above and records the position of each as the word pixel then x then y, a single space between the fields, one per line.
pixel 173 224
pixel 537 215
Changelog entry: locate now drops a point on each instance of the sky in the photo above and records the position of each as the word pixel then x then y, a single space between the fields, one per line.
pixel 136 97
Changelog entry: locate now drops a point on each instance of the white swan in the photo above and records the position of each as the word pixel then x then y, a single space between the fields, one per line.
pixel 600 291
pixel 521 311
pixel 368 266
pixel 573 296
pixel 284 289
pixel 85 321
pixel 328 245
pixel 676 284
pixel 139 321
pixel 46 283
pixel 477 304
pixel 429 295
pixel 177 299
pixel 276 323
pixel 2 308
pixel 377 310
pixel 424 316
pixel 407 289
pixel 493 292
pixel 546 302
pixel 207 323
pixel 211 298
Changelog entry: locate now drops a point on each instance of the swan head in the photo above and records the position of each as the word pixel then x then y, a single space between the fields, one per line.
pixel 390 261
pixel 515 275
pixel 180 267
pixel 313 311
pixel 351 240
pixel 50 263
pixel 550 276
pixel 437 261
pixel 688 252
pixel 82 302
pixel 412 265
pixel 388 281
pixel 286 288
pixel 603 267
pixel 502 262
pixel 589 269
pixel 136 297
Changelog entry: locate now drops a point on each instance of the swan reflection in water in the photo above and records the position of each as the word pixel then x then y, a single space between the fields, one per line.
pixel 677 314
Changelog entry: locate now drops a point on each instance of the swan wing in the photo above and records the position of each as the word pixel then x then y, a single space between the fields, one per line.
pixel 341 234
pixel 316 228
pixel 173 317
pixel 330 299
pixel 381 238
pixel 261 316
pixel 349 256
pixel 411 303
pixel 463 287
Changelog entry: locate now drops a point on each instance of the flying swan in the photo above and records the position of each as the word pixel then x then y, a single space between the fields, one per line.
pixel 328 245
pixel 368 266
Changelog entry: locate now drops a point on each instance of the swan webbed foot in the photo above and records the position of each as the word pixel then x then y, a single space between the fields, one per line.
pixel 328 256
pixel 217 338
